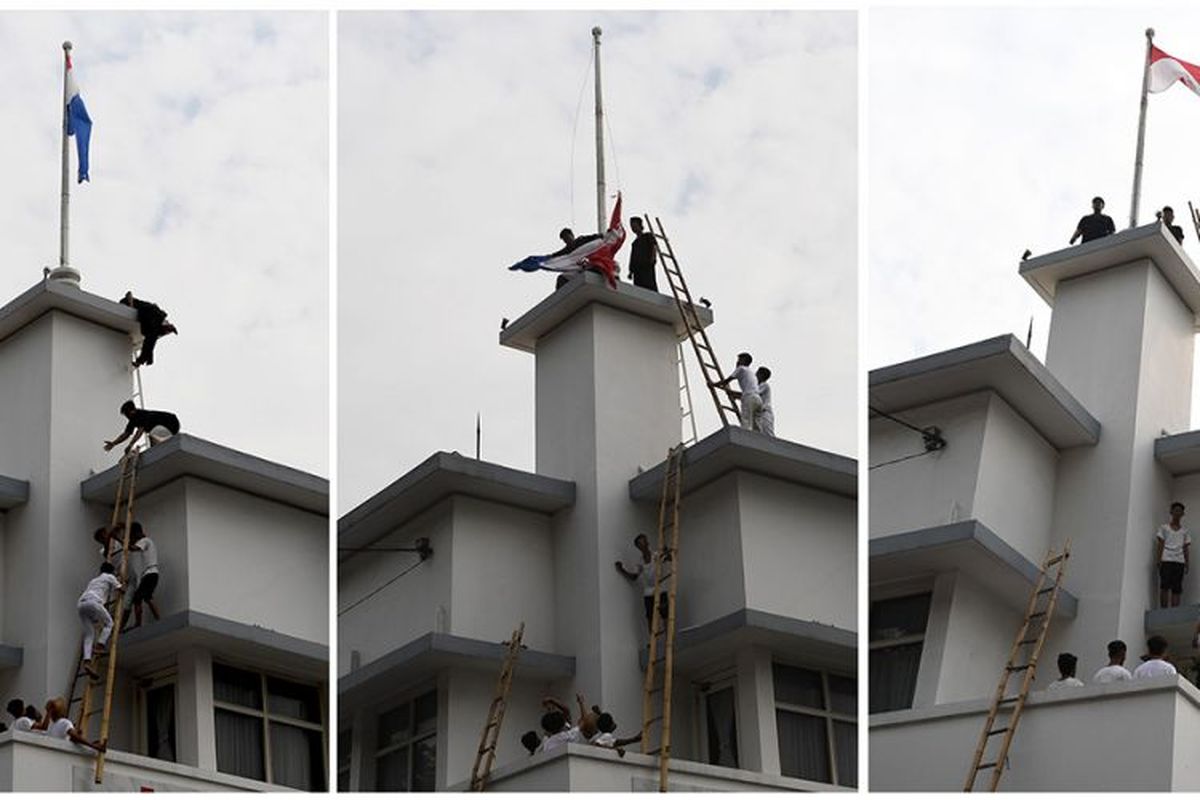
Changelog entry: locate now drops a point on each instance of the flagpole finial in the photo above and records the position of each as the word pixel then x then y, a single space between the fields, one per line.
pixel 1149 33
pixel 596 32
pixel 67 45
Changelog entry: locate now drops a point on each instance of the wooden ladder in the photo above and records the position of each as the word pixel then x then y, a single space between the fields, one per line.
pixel 658 682
pixel 1022 659
pixel 722 395
pixel 686 412
pixel 486 755
pixel 83 686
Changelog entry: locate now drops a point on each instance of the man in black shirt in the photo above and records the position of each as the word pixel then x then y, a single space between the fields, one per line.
pixel 570 242
pixel 1094 225
pixel 1167 217
pixel 158 425
pixel 153 322
pixel 642 257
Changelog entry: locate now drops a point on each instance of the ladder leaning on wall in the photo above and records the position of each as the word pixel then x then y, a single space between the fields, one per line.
pixel 485 756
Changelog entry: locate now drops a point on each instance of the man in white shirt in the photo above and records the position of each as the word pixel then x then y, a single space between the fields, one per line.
pixel 58 726
pixel 21 720
pixel 645 572
pixel 1066 673
pixel 556 722
pixel 764 422
pixel 145 562
pixel 1172 545
pixel 92 612
pixel 1115 671
pixel 1156 665
pixel 748 386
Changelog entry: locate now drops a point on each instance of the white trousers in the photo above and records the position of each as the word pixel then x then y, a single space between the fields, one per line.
pixel 91 614
pixel 765 422
pixel 751 404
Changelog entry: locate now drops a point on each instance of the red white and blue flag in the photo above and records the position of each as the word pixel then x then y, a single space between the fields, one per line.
pixel 1166 71
pixel 79 124
pixel 595 254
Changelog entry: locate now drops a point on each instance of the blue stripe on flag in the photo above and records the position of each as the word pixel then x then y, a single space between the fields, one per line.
pixel 79 125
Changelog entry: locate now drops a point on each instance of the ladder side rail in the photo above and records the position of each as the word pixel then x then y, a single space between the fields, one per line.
pixel 656 621
pixel 664 758
pixel 485 756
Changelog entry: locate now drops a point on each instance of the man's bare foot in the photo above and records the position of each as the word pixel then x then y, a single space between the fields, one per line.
pixel 91 673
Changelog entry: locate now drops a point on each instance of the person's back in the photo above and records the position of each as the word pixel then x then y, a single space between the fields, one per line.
pixel 99 588
pixel 1113 673
pixel 1156 665
pixel 1066 673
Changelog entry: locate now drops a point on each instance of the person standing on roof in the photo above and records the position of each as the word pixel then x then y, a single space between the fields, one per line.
pixel 93 611
pixel 751 403
pixel 1095 225
pixel 643 256
pixel 158 425
pixel 1115 671
pixel 1167 218
pixel 764 420
pixel 1172 545
pixel 153 323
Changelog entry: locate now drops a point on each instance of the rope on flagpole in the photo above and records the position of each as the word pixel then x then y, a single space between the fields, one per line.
pixel 575 132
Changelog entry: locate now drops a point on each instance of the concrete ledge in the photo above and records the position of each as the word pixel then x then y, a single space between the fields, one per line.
pixel 1152 242
pixel 434 651
pixel 440 476
pixel 734 448
pixel 969 547
pixel 48 296
pixel 1177 624
pixel 123 771
pixel 1001 364
pixel 586 768
pixel 13 493
pixel 1179 453
pixel 583 290
pixel 186 455
pixel 252 642
pixel 10 656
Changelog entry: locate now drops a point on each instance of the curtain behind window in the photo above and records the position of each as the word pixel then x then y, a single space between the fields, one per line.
pixel 803 749
pixel 160 722
pixel 721 719
pixel 240 745
pixel 893 678
pixel 295 754
pixel 845 739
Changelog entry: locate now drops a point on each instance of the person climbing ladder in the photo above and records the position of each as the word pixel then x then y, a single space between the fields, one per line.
pixel 153 323
pixel 158 425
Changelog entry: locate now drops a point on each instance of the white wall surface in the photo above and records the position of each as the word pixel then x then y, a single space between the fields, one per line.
pixel 931 490
pixel 979 631
pixel 711 575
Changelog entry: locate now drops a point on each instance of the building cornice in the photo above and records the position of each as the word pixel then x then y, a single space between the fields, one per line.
pixel 47 296
pixel 13 493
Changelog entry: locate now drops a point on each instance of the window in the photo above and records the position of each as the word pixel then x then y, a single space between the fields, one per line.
pixel 268 728
pixel 345 749
pixel 720 726
pixel 815 715
pixel 158 720
pixel 897 631
pixel 406 750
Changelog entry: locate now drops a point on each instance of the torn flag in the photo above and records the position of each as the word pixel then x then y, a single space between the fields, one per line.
pixel 591 253
pixel 1166 70
pixel 79 124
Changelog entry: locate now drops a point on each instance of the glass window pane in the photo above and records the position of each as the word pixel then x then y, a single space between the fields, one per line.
pixel 345 747
pixel 799 687
pixel 424 771
pixel 803 746
pixel 237 686
pixel 721 725
pixel 394 726
pixel 425 713
pixel 900 616
pixel 845 739
pixel 160 722
pixel 843 694
pixel 296 759
pixel 293 700
pixel 240 745
pixel 343 781
pixel 391 771
pixel 893 679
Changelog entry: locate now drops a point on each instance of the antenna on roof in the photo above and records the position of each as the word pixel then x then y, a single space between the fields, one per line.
pixel 478 431
pixel 1029 333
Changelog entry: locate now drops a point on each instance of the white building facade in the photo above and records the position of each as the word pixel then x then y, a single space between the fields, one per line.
pixel 765 676
pixel 1091 446
pixel 228 691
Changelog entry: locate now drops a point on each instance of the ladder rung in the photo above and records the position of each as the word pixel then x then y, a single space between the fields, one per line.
pixel 653 720
pixel 1026 641
pixel 988 765
pixel 1052 561
pixel 1037 614
pixel 1008 700
pixel 1047 590
pixel 1020 667
pixel 654 752
pixel 998 730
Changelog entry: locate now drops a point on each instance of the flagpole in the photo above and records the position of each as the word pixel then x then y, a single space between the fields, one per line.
pixel 65 272
pixel 601 198
pixel 1141 137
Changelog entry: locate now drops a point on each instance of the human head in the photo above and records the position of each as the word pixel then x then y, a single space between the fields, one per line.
pixel 1177 510
pixel 605 723
pixel 1097 204
pixel 762 374
pixel 1066 665
pixel 107 568
pixel 567 235
pixel 135 531
pixel 636 224
pixel 127 300
pixel 744 359
pixel 1116 652
pixel 641 542
pixel 531 741
pixel 127 408
pixel 553 722
pixel 56 708
pixel 15 708
pixel 1168 214
pixel 32 712
pixel 101 535
pixel 1157 645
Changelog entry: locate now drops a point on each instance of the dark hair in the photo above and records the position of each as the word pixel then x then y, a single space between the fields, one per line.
pixel 1157 645
pixel 1098 197
pixel 642 536
pixel 749 358
pixel 553 721
pixel 605 723
pixel 33 713
pixel 15 707
pixel 101 535
pixel 531 741
pixel 635 221
pixel 1168 208
pixel 763 374
pixel 135 530
pixel 107 568
pixel 566 232
pixel 1115 648
pixel 128 407
pixel 1066 663
pixel 1182 507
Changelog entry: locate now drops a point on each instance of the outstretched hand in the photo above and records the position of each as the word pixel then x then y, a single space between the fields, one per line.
pixel 109 445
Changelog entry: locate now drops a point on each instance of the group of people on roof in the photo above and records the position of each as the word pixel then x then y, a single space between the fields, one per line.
pixel 594 727
pixel 54 723
pixel 1097 225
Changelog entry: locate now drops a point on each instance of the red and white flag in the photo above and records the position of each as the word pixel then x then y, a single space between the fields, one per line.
pixel 1166 70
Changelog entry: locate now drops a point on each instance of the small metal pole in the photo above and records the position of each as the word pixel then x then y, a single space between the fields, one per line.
pixel 601 194
pixel 1141 137
pixel 65 272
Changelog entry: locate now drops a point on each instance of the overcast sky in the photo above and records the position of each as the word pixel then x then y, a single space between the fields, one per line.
pixel 990 132
pixel 455 138
pixel 208 195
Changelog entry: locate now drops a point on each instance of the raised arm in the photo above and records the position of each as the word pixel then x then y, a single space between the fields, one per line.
pixel 621 569
pixel 553 704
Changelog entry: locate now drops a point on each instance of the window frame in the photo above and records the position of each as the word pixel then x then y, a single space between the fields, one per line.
pixel 712 687
pixel 410 740
pixel 146 684
pixel 900 641
pixel 827 714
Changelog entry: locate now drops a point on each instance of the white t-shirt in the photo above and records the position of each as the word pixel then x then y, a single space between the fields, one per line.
pixel 645 573
pixel 1065 683
pixel 560 739
pixel 23 724
pixel 1153 669
pixel 146 554
pixel 1113 673
pixel 764 394
pixel 604 740
pixel 99 588
pixel 59 728
pixel 746 380
pixel 1173 542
